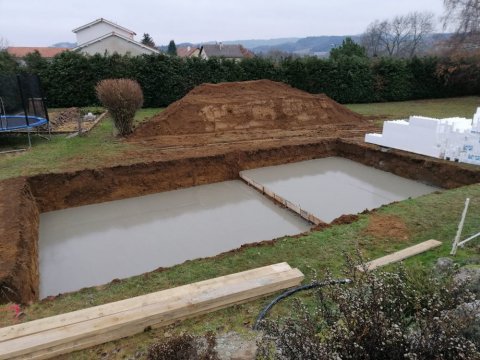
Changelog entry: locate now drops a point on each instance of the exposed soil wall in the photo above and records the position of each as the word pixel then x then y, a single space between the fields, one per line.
pixel 249 105
pixel 441 173
pixel 18 242
pixel 64 190
pixel 25 198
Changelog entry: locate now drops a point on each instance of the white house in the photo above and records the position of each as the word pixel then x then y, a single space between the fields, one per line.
pixel 102 36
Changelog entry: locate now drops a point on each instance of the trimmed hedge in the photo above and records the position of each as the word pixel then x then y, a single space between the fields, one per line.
pixel 70 78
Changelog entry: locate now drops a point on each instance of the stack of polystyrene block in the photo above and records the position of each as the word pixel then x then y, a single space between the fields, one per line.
pixel 456 139
pixel 419 135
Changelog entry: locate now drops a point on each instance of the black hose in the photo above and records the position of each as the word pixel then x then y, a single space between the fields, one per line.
pixel 287 293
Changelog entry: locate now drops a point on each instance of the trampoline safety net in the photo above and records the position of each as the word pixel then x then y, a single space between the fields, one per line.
pixel 22 104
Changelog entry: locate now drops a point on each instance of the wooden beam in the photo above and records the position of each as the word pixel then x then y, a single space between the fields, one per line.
pixel 284 202
pixel 45 338
pixel 401 255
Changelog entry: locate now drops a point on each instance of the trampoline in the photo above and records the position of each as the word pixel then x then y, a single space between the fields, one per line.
pixel 22 104
pixel 19 122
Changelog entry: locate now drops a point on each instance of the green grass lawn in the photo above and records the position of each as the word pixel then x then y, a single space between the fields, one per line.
pixel 433 216
pixel 97 148
pixel 438 108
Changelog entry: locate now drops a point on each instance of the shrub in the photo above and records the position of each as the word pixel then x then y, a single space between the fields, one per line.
pixel 184 347
pixel 8 65
pixel 122 98
pixel 70 78
pixel 392 80
pixel 380 316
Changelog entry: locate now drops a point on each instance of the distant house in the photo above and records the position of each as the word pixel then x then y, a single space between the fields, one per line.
pixel 103 36
pixel 188 51
pixel 19 52
pixel 232 52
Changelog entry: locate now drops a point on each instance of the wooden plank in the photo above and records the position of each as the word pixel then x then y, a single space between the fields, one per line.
pixel 284 202
pixel 105 329
pixel 124 332
pixel 401 255
pixel 167 296
pixel 53 322
pixel 198 299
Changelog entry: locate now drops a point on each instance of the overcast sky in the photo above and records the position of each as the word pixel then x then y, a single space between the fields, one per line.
pixel 43 23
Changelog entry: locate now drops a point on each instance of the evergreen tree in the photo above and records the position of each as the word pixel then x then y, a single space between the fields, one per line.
pixel 35 63
pixel 349 48
pixel 172 48
pixel 147 40
pixel 7 63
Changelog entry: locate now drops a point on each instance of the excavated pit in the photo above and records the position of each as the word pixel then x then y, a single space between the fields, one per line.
pixel 208 137
pixel 49 192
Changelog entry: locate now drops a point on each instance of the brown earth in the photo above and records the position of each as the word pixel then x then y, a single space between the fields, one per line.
pixel 249 105
pixel 385 226
pixel 62 117
pixel 18 242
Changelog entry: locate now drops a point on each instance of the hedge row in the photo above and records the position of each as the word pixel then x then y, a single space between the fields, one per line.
pixel 69 79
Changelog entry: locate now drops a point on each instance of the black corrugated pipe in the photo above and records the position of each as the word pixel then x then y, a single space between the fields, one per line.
pixel 287 293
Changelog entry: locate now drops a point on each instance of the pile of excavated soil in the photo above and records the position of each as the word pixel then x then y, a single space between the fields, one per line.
pixel 249 105
pixel 66 116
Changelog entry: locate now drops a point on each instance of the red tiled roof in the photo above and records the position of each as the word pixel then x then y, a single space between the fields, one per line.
pixel 185 51
pixel 247 53
pixel 46 52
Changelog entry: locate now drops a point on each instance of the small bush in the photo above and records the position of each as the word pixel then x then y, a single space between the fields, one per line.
pixel 122 98
pixel 390 315
pixel 185 347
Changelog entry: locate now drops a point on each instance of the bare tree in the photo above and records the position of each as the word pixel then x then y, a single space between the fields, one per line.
pixel 396 40
pixel 3 43
pixel 403 36
pixel 421 25
pixel 372 38
pixel 463 17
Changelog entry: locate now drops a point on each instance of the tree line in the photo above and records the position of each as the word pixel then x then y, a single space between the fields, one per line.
pixel 386 68
pixel 348 76
pixel 410 35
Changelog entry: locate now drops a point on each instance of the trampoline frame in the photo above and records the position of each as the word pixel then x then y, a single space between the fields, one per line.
pixel 29 124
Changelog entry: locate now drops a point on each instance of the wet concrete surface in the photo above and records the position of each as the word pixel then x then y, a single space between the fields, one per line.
pixel 331 187
pixel 94 244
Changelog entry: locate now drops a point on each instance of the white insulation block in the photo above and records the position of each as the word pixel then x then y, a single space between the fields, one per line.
pixel 455 139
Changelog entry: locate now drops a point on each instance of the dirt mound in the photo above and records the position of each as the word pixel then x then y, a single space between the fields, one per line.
pixel 249 105
pixel 68 115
